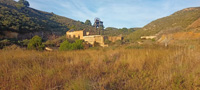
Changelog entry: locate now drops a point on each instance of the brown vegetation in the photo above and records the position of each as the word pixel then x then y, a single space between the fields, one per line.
pixel 195 24
pixel 154 68
pixel 180 38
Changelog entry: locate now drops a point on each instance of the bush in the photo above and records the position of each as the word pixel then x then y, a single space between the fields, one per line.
pixel 36 43
pixel 12 47
pixel 5 42
pixel 49 43
pixel 107 41
pixel 78 44
pixel 65 46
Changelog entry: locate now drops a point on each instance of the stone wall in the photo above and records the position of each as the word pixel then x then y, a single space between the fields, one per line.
pixel 92 39
pixel 148 37
pixel 114 38
pixel 76 34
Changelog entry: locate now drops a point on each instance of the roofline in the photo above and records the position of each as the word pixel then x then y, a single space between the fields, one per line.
pixel 77 30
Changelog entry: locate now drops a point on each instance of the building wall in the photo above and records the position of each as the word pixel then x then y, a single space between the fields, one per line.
pixel 114 38
pixel 87 33
pixel 100 39
pixel 89 39
pixel 76 34
pixel 92 39
pixel 148 37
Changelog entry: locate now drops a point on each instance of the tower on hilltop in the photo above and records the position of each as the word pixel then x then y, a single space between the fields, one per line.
pixel 98 24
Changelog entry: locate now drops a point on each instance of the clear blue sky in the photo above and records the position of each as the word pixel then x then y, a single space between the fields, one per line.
pixel 114 13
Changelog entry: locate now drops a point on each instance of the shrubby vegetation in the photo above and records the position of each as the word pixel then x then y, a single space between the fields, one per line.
pixel 146 68
pixel 36 43
pixel 78 44
pixel 110 31
pixel 88 22
pixel 4 42
pixel 22 4
pixel 18 17
pixel 178 21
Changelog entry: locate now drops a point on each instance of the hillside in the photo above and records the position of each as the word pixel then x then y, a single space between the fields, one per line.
pixel 111 31
pixel 195 24
pixel 15 17
pixel 179 21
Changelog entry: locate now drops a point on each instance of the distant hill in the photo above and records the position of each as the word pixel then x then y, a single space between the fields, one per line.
pixel 111 31
pixel 184 20
pixel 19 19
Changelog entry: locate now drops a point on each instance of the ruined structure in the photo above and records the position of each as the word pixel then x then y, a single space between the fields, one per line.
pixel 92 39
pixel 115 38
pixel 95 39
pixel 83 35
pixel 98 24
pixel 148 37
pixel 76 34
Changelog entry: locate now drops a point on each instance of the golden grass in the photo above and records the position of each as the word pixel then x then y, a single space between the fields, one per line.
pixel 106 69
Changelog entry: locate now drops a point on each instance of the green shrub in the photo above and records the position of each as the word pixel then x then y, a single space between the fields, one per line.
pixel 25 42
pixel 49 43
pixel 4 42
pixel 65 46
pixel 78 44
pixel 36 43
pixel 107 41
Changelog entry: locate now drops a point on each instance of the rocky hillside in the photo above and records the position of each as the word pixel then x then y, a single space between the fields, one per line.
pixel 195 24
pixel 185 20
pixel 18 18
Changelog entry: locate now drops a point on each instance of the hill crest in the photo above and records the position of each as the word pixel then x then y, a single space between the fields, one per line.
pixel 177 22
pixel 23 19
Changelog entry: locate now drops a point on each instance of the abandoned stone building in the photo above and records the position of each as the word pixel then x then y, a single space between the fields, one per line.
pixel 76 34
pixel 114 38
pixel 92 39
pixel 95 39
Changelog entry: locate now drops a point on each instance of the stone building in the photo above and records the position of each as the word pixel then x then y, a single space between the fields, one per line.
pixel 92 39
pixel 76 34
pixel 115 38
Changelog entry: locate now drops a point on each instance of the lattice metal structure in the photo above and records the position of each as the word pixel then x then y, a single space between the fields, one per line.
pixel 97 24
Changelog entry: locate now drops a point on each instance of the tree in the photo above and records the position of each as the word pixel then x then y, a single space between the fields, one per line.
pixel 65 46
pixel 87 22
pixel 77 45
pixel 36 43
pixel 24 3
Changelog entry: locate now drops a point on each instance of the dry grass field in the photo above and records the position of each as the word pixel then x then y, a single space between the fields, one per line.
pixel 152 68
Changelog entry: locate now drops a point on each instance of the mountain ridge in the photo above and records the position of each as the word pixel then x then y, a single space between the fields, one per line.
pixel 21 19
pixel 178 21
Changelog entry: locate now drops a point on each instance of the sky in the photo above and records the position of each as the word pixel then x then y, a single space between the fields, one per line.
pixel 114 13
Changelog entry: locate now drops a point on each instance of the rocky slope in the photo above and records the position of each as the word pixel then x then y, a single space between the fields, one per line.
pixel 186 20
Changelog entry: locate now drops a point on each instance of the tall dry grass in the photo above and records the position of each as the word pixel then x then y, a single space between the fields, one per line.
pixel 107 69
